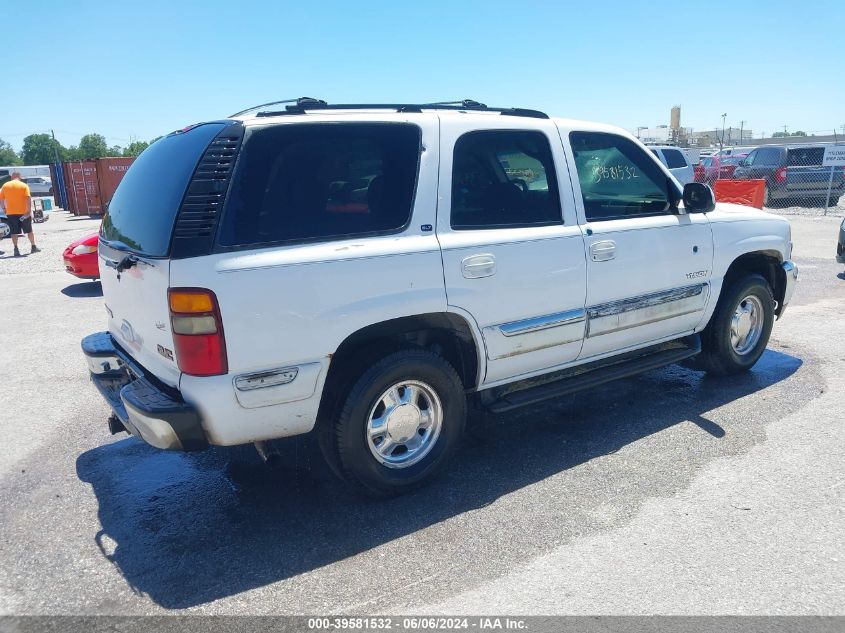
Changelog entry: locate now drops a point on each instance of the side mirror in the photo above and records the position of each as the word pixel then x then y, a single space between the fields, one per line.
pixel 698 198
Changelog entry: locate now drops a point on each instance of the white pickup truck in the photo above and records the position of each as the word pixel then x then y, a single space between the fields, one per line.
pixel 368 272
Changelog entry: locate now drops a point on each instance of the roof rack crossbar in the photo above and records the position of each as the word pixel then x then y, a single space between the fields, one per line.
pixel 304 105
pixel 283 101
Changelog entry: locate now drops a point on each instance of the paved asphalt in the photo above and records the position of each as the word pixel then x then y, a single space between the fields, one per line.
pixel 667 493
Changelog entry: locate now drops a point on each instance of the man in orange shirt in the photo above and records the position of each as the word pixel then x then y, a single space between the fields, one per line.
pixel 15 200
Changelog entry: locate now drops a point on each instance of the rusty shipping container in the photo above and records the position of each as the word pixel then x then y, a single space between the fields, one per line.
pixel 91 184
pixel 84 188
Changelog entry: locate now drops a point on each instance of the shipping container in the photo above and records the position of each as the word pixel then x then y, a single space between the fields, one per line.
pixel 84 188
pixel 110 172
pixel 90 184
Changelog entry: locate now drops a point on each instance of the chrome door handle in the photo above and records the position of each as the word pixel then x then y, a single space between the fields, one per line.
pixel 603 251
pixel 478 266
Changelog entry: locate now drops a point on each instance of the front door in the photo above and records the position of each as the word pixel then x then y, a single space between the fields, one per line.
pixel 513 254
pixel 648 266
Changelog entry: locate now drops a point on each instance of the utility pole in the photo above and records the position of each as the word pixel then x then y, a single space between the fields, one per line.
pixel 722 142
pixel 741 128
pixel 784 130
pixel 59 187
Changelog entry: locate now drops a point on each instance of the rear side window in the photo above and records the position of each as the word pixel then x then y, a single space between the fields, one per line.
pixel 674 158
pixel 503 179
pixel 767 156
pixel 805 157
pixel 303 182
pixel 618 179
pixel 141 214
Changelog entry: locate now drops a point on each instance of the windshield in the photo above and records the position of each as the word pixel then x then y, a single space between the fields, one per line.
pixel 143 210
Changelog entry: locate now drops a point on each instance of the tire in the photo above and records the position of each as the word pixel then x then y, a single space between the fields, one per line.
pixel 721 353
pixel 425 390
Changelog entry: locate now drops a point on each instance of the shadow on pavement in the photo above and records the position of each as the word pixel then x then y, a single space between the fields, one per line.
pixel 84 289
pixel 187 529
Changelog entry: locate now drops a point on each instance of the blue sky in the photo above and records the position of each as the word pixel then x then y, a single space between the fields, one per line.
pixel 141 69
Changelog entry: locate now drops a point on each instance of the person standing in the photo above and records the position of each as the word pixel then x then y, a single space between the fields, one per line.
pixel 16 200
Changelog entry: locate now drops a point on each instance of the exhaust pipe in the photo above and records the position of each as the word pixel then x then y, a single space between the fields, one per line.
pixel 269 453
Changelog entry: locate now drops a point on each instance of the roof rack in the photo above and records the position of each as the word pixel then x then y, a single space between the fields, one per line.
pixel 306 104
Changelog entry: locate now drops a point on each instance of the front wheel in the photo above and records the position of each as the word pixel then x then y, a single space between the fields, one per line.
pixel 740 327
pixel 400 423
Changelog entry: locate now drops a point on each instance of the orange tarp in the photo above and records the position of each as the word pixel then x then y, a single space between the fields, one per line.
pixel 747 192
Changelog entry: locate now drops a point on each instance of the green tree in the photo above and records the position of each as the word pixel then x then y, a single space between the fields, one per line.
pixel 93 146
pixel 8 156
pixel 135 147
pixel 40 149
pixel 799 133
pixel 115 150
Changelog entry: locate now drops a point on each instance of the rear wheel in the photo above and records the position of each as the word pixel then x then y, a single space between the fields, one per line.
pixel 401 421
pixel 740 327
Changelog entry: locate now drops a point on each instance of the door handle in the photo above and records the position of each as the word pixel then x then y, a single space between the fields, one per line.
pixel 603 250
pixel 478 266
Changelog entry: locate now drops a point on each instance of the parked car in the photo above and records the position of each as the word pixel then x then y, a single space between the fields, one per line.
pixel 793 174
pixel 500 258
pixel 713 168
pixel 840 246
pixel 676 160
pixel 707 170
pixel 39 185
pixel 80 257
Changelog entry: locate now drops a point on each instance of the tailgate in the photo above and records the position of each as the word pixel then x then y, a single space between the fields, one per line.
pixel 803 178
pixel 136 303
pixel 135 243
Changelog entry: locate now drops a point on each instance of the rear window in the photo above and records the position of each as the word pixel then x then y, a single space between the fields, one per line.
pixel 674 158
pixel 142 212
pixel 805 157
pixel 305 182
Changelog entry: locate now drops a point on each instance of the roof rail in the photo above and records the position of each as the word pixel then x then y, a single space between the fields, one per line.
pixel 306 104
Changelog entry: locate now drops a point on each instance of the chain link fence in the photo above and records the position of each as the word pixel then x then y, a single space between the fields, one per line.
pixel 800 178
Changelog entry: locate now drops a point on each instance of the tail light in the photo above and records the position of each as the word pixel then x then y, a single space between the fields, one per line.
pixel 197 332
pixel 780 175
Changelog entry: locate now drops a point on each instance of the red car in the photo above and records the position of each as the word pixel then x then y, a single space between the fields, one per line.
pixel 713 168
pixel 81 257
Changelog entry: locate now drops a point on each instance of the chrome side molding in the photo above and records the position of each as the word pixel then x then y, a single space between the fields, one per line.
pixel 543 322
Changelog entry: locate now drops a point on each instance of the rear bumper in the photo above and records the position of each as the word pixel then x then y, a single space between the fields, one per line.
pixel 83 266
pixel 784 193
pixel 146 408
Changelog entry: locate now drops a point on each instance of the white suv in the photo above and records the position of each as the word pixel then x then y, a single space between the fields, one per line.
pixel 677 160
pixel 369 272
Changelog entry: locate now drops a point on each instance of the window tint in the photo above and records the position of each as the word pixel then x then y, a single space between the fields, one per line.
pixel 751 158
pixel 503 179
pixel 304 182
pixel 142 212
pixel 768 156
pixel 805 156
pixel 674 158
pixel 617 178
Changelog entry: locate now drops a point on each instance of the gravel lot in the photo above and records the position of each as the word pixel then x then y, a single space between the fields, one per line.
pixel 668 493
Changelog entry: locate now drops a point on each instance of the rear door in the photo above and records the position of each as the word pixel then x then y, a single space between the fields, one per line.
pixel 513 254
pixel 134 247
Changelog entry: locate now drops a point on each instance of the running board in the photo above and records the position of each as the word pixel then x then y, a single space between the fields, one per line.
pixel 527 392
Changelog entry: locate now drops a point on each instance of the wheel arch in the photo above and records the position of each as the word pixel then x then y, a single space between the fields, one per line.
pixel 448 334
pixel 766 263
